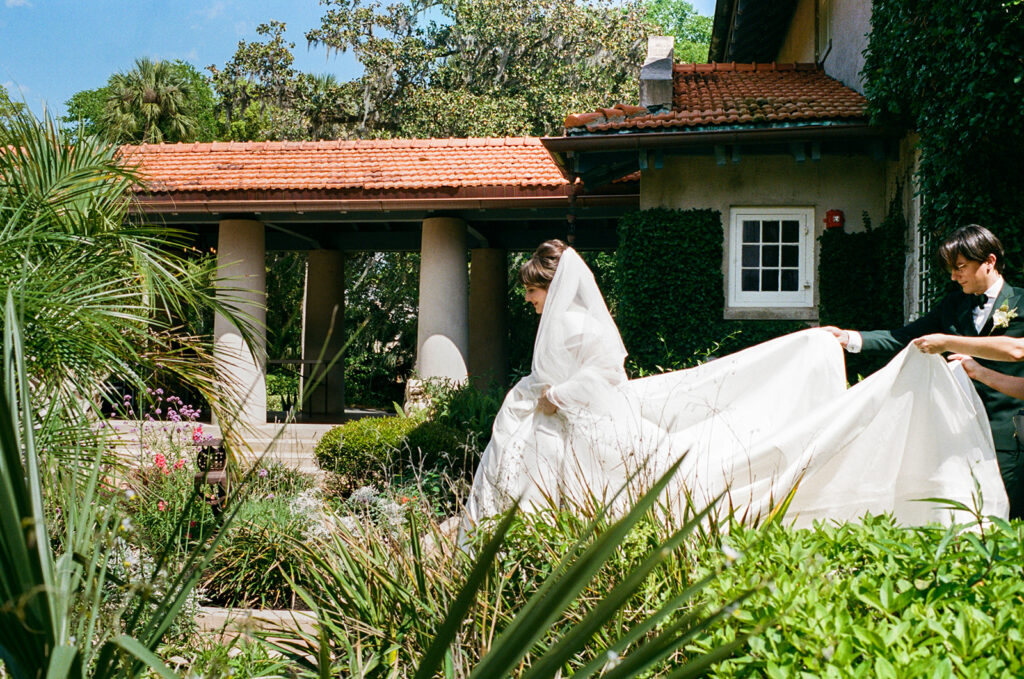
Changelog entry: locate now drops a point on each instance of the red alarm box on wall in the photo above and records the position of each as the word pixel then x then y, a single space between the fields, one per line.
pixel 834 219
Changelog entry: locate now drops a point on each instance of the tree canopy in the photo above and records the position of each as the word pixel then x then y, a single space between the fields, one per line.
pixel 8 108
pixel 460 67
pixel 431 68
pixel 155 101
pixel 691 30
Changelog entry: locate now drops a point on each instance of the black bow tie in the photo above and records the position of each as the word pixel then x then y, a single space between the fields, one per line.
pixel 979 300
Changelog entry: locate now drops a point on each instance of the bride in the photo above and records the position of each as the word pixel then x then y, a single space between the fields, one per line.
pixel 753 425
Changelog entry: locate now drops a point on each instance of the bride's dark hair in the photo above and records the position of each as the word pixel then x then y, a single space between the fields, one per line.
pixel 540 268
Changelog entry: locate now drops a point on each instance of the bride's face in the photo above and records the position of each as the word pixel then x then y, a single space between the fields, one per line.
pixel 536 297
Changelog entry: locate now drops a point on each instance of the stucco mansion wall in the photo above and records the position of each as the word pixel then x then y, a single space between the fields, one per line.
pixel 842 41
pixel 855 185
pixel 850 25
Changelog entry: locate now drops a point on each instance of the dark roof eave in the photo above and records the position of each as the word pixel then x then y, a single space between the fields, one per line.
pixel 749 30
pixel 771 135
pixel 720 29
pixel 220 202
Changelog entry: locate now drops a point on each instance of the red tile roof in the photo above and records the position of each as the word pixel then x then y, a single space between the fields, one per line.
pixel 367 165
pixel 709 95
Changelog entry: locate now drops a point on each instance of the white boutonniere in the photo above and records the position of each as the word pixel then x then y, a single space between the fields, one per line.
pixel 1002 316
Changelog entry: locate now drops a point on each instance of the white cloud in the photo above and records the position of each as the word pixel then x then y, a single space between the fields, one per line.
pixel 17 3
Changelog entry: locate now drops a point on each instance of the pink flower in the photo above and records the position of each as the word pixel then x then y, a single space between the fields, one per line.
pixel 162 506
pixel 197 433
pixel 179 464
pixel 263 473
pixel 159 460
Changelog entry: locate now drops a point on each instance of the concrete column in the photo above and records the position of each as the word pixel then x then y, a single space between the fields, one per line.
pixel 323 332
pixel 488 298
pixel 241 263
pixel 442 338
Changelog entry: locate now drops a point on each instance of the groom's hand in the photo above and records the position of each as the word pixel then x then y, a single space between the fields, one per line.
pixel 841 335
pixel 971 367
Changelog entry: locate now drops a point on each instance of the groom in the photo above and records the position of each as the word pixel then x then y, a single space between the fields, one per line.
pixel 984 305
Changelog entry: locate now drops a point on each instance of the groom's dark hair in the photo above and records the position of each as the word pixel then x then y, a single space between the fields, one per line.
pixel 975 243
pixel 540 268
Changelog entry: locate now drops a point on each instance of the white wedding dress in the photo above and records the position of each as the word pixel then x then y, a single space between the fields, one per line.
pixel 751 425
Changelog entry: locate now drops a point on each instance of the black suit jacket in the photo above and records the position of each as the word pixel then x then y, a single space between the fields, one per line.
pixel 953 315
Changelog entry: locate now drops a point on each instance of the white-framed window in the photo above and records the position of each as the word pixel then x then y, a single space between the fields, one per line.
pixel 771 257
pixel 823 42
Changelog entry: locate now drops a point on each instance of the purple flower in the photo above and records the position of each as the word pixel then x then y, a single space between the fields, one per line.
pixel 159 392
pixel 263 473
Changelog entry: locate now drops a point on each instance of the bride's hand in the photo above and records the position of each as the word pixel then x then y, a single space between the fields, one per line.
pixel 932 344
pixel 545 405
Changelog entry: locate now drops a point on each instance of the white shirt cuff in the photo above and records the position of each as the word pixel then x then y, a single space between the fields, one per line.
pixel 856 342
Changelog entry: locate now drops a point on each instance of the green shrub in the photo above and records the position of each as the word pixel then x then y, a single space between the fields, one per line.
pixel 669 292
pixel 922 72
pixel 877 600
pixel 433 444
pixel 253 566
pixel 372 382
pixel 282 390
pixel 874 258
pixel 362 449
pixel 467 407
pixel 328 448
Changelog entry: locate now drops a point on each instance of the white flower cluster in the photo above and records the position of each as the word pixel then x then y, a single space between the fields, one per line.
pixel 309 505
pixel 1002 316
pixel 378 508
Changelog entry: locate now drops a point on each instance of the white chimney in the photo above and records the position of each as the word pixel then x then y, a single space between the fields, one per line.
pixel 656 75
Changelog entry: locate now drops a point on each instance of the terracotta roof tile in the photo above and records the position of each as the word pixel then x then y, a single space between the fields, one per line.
pixel 707 95
pixel 365 164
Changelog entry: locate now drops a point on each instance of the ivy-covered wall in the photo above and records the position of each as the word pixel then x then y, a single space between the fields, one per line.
pixel 669 291
pixel 954 72
pixel 861 281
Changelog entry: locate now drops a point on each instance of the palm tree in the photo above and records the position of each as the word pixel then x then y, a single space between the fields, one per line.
pixel 84 294
pixel 149 104
pixel 325 105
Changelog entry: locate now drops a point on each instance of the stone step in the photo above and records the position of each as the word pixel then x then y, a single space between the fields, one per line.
pixel 291 444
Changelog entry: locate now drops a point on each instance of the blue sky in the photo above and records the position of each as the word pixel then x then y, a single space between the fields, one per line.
pixel 50 49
